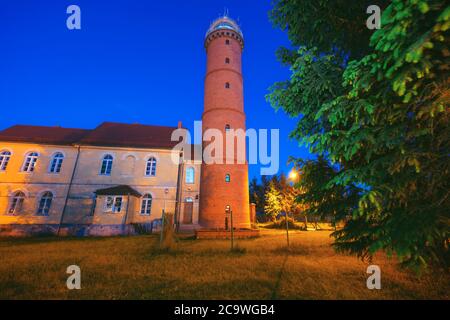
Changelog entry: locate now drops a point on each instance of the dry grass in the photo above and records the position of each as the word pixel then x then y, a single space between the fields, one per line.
pixel 132 268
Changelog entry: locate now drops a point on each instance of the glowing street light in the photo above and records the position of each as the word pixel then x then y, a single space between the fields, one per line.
pixel 293 175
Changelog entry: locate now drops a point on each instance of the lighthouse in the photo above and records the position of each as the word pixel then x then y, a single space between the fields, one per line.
pixel 224 186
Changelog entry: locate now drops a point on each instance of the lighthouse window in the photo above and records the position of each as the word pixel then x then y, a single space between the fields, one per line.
pixel 227 85
pixel 227 127
pixel 227 42
pixel 227 60
pixel 227 178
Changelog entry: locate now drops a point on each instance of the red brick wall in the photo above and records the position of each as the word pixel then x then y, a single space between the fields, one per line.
pixel 224 106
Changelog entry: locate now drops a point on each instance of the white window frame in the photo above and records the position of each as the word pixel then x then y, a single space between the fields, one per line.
pixel 108 166
pixel 29 164
pixel 146 205
pixel 16 204
pixel 150 167
pixel 47 203
pixel 112 207
pixel 56 163
pixel 5 156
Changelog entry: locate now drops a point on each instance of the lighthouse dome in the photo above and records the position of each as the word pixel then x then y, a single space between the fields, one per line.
pixel 224 23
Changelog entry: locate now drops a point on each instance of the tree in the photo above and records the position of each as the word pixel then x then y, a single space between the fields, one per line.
pixel 377 106
pixel 274 199
pixel 321 198
pixel 257 192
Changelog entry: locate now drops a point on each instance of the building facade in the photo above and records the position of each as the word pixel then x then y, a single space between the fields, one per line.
pixel 120 178
pixel 103 181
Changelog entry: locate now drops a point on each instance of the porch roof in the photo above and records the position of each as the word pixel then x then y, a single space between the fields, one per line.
pixel 121 190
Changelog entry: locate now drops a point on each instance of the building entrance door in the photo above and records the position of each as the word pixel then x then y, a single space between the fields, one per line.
pixel 187 211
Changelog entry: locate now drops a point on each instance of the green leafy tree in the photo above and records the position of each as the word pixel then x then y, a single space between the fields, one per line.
pixel 274 204
pixel 377 106
pixel 320 197
pixel 258 191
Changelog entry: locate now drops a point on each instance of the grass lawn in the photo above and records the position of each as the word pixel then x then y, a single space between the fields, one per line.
pixel 131 268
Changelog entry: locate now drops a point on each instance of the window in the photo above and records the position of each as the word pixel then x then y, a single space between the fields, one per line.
pixel 189 199
pixel 190 175
pixel 227 178
pixel 56 163
pixel 4 159
pixel 130 162
pixel 227 42
pixel 227 127
pixel 106 165
pixel 113 204
pixel 150 169
pixel 227 60
pixel 146 207
pixel 109 203
pixel 45 204
pixel 30 162
pixel 227 85
pixel 16 203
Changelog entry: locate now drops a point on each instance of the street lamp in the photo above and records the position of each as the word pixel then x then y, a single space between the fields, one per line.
pixel 229 212
pixel 161 236
pixel 292 176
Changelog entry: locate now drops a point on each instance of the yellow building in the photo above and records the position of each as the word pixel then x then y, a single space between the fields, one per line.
pixel 114 179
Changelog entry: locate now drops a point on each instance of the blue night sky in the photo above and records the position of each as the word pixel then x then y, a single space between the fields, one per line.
pixel 132 61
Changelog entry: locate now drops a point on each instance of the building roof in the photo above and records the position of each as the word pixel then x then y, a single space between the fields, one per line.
pixel 107 134
pixel 40 134
pixel 121 190
pixel 130 135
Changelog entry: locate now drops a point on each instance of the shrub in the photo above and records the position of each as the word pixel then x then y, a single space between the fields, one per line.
pixel 281 224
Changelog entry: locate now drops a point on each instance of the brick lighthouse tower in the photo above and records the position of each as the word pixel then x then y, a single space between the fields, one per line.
pixel 224 186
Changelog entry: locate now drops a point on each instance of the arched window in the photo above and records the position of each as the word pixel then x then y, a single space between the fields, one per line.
pixel 45 203
pixel 227 60
pixel 190 175
pixel 4 159
pixel 227 127
pixel 227 178
pixel 146 206
pixel 30 162
pixel 16 203
pixel 56 163
pixel 227 85
pixel 106 165
pixel 227 42
pixel 150 169
pixel 130 162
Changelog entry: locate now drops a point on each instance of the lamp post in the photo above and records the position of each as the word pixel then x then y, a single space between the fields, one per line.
pixel 161 236
pixel 292 176
pixel 229 212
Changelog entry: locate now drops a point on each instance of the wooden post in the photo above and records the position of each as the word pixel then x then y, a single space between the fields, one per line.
pixel 161 236
pixel 287 228
pixel 232 231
